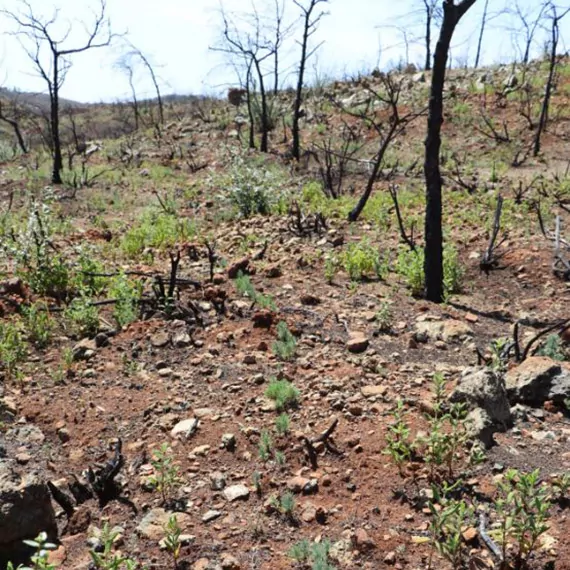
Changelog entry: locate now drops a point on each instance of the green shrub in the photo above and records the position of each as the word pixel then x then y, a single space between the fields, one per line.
pixel 39 325
pixel 410 265
pixel 265 446
pixel 12 347
pixel 362 260
pixel 283 393
pixel 127 294
pixel 282 424
pixel 245 287
pixel 285 345
pixel 314 553
pixel 553 348
pixel 82 316
pixel 157 230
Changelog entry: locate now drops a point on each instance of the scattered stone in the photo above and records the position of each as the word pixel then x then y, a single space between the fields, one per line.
pixel 236 492
pixel 185 429
pixel 302 485
pixel 153 523
pixel 469 535
pixel 217 481
pixel 84 349
pixel 537 380
pixel 229 441
pixel 362 540
pixel 484 392
pixel 25 506
pixel 447 331
pixel 160 339
pixel 390 558
pixel 357 343
pixel 229 562
pixel 372 391
pixel 201 450
pixel 211 516
pixel 235 268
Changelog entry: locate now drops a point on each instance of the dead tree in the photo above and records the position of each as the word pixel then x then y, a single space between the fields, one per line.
pixel 433 260
pixel 12 118
pixel 555 19
pixel 310 25
pixel 529 24
pixel 388 127
pixel 37 36
pixel 431 9
pixel 481 33
pixel 252 48
pixel 127 65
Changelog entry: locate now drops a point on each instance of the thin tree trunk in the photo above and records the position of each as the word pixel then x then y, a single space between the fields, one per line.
pixel 433 264
pixel 250 109
pixel 481 32
pixel 264 146
pixel 57 156
pixel 427 66
pixel 16 128
pixel 548 90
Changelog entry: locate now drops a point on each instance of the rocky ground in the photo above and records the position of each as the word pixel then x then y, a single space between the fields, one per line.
pixel 193 376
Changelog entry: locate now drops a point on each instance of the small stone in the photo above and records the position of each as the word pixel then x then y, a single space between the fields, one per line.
pixel 372 391
pixel 211 516
pixel 185 429
pixel 63 435
pixel 160 339
pixel 362 540
pixel 229 441
pixel 201 450
pixel 238 266
pixel 236 492
pixel 165 372
pixel 229 562
pixel 357 343
pixel 217 481
pixel 390 558
pixel 469 535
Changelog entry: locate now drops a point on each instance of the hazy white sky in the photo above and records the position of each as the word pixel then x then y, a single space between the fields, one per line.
pixel 177 34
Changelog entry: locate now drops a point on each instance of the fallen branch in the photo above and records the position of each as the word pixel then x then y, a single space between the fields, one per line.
pixel 323 438
pixel 490 258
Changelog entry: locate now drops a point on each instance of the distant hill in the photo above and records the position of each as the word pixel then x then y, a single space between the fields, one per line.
pixel 36 100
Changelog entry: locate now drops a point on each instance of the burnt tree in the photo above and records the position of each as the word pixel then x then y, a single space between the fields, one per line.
pixel 433 263
pixel 38 36
pixel 310 24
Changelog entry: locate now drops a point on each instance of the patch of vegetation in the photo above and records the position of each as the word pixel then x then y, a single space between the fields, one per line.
pixel 314 553
pixel 410 265
pixel 105 557
pixel 127 294
pixel 156 230
pixel 245 287
pixel 285 345
pixel 166 476
pixel 283 424
pixel 82 316
pixel 553 347
pixel 40 558
pixel 285 505
pixel 265 447
pixel 283 393
pixel 362 259
pixel 12 347
pixel 38 324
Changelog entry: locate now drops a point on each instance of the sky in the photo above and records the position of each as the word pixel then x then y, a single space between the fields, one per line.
pixel 177 35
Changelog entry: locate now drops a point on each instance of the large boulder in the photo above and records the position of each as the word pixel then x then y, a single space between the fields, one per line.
pixel 537 380
pixel 450 330
pixel 25 508
pixel 484 392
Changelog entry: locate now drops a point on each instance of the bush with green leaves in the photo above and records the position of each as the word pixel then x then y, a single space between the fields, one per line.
pixel 172 543
pixel 265 447
pixel 398 444
pixel 524 508
pixel 410 264
pixel 252 189
pixel 317 554
pixel 245 287
pixel 363 260
pixel 82 316
pixel 283 393
pixel 166 476
pixel 105 558
pixel 553 347
pixel 38 324
pixel 156 230
pixel 40 558
pixel 283 424
pixel 12 347
pixel 285 346
pixel 285 505
pixel 127 294
pixel 449 518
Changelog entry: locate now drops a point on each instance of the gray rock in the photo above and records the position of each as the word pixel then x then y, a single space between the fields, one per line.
pixel 185 429
pixel 211 516
pixel 84 349
pixel 229 441
pixel 217 481
pixel 357 343
pixel 236 492
pixel 26 434
pixel 448 331
pixel 485 395
pixel 25 506
pixel 153 523
pixel 537 380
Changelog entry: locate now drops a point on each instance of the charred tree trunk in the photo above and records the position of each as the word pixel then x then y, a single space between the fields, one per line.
pixel 427 66
pixel 250 109
pixel 16 128
pixel 555 36
pixel 264 146
pixel 54 120
pixel 433 265
pixel 481 33
pixel 299 91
